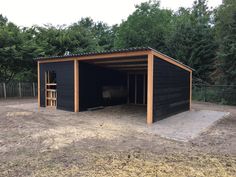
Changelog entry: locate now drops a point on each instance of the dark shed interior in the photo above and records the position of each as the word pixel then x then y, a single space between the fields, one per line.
pixel 113 81
pixel 93 79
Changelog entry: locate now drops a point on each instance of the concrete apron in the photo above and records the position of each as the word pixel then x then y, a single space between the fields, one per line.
pixel 187 125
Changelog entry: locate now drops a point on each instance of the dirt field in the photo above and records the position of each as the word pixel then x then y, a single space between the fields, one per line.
pixel 58 143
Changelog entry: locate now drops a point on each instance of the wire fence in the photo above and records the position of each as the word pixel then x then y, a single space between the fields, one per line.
pixel 223 94
pixel 18 89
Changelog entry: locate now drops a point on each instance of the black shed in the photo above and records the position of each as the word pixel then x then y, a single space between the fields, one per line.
pixel 126 76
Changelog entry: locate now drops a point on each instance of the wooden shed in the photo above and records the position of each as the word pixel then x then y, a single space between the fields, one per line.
pixel 140 76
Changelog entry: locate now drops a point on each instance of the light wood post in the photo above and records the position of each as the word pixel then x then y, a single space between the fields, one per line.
pixel 150 89
pixel 45 87
pixel 38 66
pixel 144 88
pixel 190 92
pixel 76 86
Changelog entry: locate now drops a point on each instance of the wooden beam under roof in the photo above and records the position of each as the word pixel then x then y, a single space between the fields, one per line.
pixel 117 61
pixel 126 66
pixel 131 69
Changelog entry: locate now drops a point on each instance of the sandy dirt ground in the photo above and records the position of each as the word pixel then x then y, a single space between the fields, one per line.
pixel 59 143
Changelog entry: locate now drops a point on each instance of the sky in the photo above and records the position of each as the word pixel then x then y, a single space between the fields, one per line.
pixel 59 12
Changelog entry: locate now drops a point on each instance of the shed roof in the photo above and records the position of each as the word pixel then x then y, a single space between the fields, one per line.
pixel 133 49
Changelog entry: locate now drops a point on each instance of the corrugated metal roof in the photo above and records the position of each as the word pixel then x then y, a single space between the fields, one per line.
pixel 133 49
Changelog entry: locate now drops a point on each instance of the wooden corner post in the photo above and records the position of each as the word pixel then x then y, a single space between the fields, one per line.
pixel 38 68
pixel 150 89
pixel 76 86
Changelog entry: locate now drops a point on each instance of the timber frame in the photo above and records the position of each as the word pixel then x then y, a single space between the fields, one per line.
pixel 98 58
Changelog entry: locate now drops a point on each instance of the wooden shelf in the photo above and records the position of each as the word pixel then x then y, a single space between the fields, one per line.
pixel 51 98
pixel 51 90
pixel 51 84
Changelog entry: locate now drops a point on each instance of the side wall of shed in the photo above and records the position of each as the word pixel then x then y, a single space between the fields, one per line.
pixel 65 83
pixel 171 89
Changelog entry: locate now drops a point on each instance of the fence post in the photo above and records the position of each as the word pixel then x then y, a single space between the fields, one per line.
pixel 223 94
pixel 4 90
pixel 20 89
pixel 205 93
pixel 34 89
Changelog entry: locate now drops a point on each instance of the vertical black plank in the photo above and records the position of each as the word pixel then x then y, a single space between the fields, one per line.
pixel 171 89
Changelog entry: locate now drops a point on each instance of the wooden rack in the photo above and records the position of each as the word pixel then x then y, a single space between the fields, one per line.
pixel 51 97
pixel 50 91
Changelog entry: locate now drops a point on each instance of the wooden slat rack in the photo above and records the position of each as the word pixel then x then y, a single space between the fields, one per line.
pixel 50 90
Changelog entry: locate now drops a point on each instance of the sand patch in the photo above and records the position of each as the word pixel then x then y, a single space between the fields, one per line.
pixel 15 114
pixel 63 136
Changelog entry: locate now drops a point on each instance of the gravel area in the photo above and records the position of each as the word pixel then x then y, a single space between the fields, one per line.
pixel 180 127
pixel 95 143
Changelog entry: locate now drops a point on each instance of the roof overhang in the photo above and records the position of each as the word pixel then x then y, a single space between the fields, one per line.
pixel 132 59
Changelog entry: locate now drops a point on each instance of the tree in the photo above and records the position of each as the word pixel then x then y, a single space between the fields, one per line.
pixel 196 36
pixel 96 35
pixel 105 35
pixel 29 50
pixel 149 25
pixel 82 36
pixel 10 55
pixel 226 37
pixel 19 46
pixel 192 39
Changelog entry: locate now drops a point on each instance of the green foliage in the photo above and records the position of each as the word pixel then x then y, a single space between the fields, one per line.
pixel 10 53
pixel 226 36
pixel 192 40
pixel 186 35
pixel 18 46
pixel 149 25
pixel 202 38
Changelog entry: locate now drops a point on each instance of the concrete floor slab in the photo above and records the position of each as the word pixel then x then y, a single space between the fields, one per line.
pixel 187 125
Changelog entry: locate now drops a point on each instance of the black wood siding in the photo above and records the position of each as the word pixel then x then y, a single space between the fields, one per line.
pixel 65 83
pixel 91 80
pixel 171 89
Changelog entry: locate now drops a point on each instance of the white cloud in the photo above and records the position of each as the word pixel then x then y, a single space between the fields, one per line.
pixel 29 12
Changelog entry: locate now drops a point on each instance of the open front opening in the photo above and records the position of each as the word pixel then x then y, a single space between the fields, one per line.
pixel 51 89
pixel 110 82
